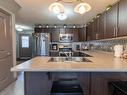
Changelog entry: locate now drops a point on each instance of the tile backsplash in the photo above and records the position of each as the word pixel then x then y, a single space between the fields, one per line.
pixel 105 45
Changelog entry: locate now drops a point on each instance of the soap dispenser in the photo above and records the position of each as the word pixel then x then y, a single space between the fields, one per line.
pixel 118 50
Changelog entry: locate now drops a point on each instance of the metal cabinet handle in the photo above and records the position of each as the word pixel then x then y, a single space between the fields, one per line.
pixel 49 76
pixel 114 32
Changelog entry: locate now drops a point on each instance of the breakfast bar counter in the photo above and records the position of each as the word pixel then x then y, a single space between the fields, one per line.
pixel 100 62
pixel 40 73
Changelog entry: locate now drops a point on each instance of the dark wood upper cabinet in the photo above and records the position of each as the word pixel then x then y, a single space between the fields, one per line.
pixel 38 30
pixel 55 34
pixel 89 32
pixel 82 34
pixel 69 30
pixel 111 22
pixel 102 25
pixel 75 35
pixel 122 18
pixel 95 29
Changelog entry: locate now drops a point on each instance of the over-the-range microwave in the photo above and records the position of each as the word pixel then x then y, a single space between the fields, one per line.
pixel 66 37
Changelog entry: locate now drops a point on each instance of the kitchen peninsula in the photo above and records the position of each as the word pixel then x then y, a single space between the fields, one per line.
pixel 94 76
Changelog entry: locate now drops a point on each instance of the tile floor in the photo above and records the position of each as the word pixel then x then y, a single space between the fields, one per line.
pixel 16 88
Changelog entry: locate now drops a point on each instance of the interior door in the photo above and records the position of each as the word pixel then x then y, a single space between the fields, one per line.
pixel 6 63
pixel 25 48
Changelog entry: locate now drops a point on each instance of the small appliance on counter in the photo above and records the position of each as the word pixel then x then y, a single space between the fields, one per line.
pixel 54 47
pixel 118 50
pixel 76 46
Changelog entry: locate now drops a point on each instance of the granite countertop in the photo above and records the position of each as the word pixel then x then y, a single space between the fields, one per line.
pixel 101 62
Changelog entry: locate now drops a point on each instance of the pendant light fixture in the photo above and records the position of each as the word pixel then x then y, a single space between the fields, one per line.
pixel 62 16
pixel 82 8
pixel 56 8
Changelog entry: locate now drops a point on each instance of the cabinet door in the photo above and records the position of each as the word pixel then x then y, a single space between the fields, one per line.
pixel 69 30
pixel 37 83
pixel 84 79
pixel 102 25
pixel 89 32
pixel 99 82
pixel 95 32
pixel 82 34
pixel 75 35
pixel 122 18
pixel 93 26
pixel 55 34
pixel 54 54
pixel 111 22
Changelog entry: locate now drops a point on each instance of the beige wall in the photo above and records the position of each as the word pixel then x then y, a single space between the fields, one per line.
pixel 11 7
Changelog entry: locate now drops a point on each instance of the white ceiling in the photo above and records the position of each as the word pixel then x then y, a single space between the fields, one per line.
pixel 36 12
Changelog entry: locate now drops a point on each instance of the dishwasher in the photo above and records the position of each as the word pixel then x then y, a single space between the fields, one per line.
pixel 66 87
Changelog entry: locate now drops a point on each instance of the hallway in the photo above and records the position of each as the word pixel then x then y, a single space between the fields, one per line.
pixel 15 88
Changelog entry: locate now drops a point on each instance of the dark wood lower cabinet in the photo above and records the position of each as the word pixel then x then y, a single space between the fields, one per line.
pixel 84 79
pixel 37 83
pixel 92 83
pixel 99 82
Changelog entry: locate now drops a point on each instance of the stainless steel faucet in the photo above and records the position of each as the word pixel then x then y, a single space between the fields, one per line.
pixel 68 55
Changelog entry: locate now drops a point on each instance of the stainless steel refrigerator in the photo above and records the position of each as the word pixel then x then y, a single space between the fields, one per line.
pixel 42 44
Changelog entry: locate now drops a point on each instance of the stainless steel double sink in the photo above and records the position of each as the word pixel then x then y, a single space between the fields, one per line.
pixel 72 59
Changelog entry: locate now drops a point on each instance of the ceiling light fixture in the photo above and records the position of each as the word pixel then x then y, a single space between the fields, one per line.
pixel 62 16
pixel 68 1
pixel 19 29
pixel 56 8
pixel 74 26
pixel 108 7
pixel 82 8
pixel 55 26
pixel 65 26
pixel 47 26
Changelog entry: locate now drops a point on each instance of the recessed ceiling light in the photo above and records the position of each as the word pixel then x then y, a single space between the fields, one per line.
pixel 62 16
pixel 65 26
pixel 55 26
pixel 40 26
pixel 47 26
pixel 74 26
pixel 19 29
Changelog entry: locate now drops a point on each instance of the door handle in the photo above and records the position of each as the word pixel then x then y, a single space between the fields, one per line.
pixel 116 31
pixel 6 55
